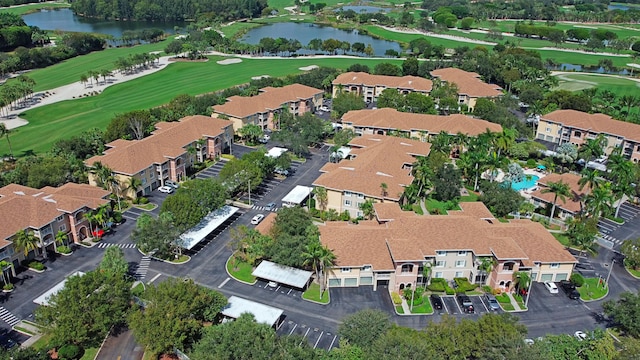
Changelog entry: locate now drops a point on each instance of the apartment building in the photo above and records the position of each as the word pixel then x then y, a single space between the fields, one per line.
pixel 45 212
pixel 416 126
pixel 569 207
pixel 370 86
pixel 165 154
pixel 576 127
pixel 393 249
pixel 470 87
pixel 263 109
pixel 373 160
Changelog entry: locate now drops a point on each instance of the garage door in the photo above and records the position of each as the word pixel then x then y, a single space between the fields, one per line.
pixel 335 282
pixel 546 277
pixel 351 282
pixel 561 277
pixel 366 280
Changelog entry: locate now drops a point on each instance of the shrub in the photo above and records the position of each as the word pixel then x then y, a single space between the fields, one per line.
pixel 503 298
pixel 487 289
pixel 577 279
pixel 64 249
pixel 143 200
pixel 437 285
pixel 69 352
pixel 8 286
pixel 531 163
pixel 36 265
pixel 395 297
pixel 117 217
pixel 464 284
pixel 449 291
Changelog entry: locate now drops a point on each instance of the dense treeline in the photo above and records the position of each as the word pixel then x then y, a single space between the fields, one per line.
pixel 14 32
pixel 169 10
pixel 6 3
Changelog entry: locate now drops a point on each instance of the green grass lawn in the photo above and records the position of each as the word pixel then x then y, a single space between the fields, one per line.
pixel 313 294
pixel 27 9
pixel 417 209
pixel 69 118
pixel 424 308
pixel 433 204
pixel 90 354
pixel 180 260
pixel 591 290
pixel 470 198
pixel 399 309
pixel 147 207
pixel 619 86
pixel 633 272
pixel 562 239
pixel 241 271
pixel 138 290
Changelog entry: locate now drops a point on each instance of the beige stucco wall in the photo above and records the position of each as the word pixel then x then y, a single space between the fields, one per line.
pixel 545 272
pixel 548 131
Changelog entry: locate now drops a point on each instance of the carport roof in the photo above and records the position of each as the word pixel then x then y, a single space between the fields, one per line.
pixel 282 274
pixel 44 298
pixel 297 195
pixel 263 314
pixel 210 222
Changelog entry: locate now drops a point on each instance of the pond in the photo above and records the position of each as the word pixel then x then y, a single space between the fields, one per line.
pixel 363 9
pixel 66 20
pixel 580 68
pixel 617 7
pixel 305 32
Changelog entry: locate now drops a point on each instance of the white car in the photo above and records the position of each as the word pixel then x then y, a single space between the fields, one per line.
pixel 324 108
pixel 173 184
pixel 580 335
pixel 272 284
pixel 166 189
pixel 551 287
pixel 256 219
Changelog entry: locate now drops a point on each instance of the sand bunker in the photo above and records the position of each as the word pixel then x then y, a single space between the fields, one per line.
pixel 260 77
pixel 309 68
pixel 229 61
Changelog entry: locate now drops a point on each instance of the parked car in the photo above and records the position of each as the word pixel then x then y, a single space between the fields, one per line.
pixel 436 301
pixel 465 302
pixel 551 287
pixel 171 183
pixel 492 302
pixel 256 219
pixel 580 335
pixel 270 206
pixel 324 108
pixel 7 343
pixel 272 284
pixel 166 189
pixel 570 289
pixel 265 139
pixel 529 341
pixel 283 172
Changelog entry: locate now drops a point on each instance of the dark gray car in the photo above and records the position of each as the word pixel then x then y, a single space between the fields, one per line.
pixel 492 303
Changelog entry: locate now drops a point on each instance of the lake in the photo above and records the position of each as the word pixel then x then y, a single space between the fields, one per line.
pixel 66 20
pixel 305 32
pixel 617 7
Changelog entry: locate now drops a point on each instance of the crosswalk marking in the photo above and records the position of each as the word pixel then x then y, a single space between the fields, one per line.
pixel 143 267
pixel 611 238
pixel 263 208
pixel 8 317
pixel 122 246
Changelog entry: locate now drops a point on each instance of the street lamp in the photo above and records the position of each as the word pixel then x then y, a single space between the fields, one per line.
pixel 249 191
pixel 610 269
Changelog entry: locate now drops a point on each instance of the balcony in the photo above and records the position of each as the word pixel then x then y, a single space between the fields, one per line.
pixel 383 276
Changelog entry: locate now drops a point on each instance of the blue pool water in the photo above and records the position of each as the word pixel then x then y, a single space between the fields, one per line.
pixel 528 182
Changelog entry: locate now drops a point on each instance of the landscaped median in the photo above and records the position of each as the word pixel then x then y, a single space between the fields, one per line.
pixel 240 270
pixel 593 289
pixel 313 294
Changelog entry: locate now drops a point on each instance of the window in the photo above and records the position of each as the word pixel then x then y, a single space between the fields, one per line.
pixel 59 218
pixel 548 129
pixel 347 193
pixel 366 268
pixel 360 214
pixel 347 203
pixel 461 263
pixel 462 253
pixel 441 263
pixel 577 134
pixel 63 227
pixel 142 173
pixel 441 253
pixel 346 270
pixel 554 265
pixel 407 268
pixel 360 196
pixel 459 274
pixel 438 275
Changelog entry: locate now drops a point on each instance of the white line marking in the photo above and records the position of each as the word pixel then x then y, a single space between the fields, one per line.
pixel 289 291
pixel 224 282
pixel 332 341
pixel 317 341
pixel 154 279
pixel 305 336
pixel 292 330
pixel 483 304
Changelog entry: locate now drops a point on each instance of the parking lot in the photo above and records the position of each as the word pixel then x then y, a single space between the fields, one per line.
pixel 317 338
pixel 279 289
pixel 214 234
pixel 452 306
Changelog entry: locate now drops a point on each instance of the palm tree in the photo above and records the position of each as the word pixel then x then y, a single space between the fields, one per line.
pixel 384 189
pixel 321 197
pixel 62 238
pixel 590 178
pixel 441 142
pixel 367 209
pixel 132 185
pixel 521 280
pixel 487 264
pixel 622 175
pixel 422 173
pixel 113 184
pixel 311 255
pixel 494 162
pixel 4 132
pixel 327 258
pixel 90 219
pixel 560 190
pixel 505 139
pixel 592 148
pixel 598 200
pixel 25 241
pixel 84 79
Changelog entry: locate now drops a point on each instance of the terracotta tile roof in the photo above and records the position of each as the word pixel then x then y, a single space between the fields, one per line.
pixel 412 238
pixel 572 203
pixel 266 224
pixel 414 83
pixel 270 98
pixel 392 119
pixel 22 207
pixel 473 209
pixel 468 83
pixel 388 211
pixel 378 159
pixel 170 140
pixel 597 123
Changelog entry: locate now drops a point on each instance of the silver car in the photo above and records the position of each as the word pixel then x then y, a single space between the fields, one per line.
pixel 492 303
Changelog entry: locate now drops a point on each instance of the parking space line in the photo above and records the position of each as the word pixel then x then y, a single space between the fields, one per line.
pixel 224 282
pixel 292 330
pixel 458 305
pixel 483 304
pixel 305 336
pixel 317 341
pixel 276 290
pixel 332 341
pixel 444 305
pixel 289 291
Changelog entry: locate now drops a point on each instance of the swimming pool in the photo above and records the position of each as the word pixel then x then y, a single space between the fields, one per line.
pixel 528 182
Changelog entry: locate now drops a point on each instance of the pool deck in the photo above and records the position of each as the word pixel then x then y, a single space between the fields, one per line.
pixel 540 174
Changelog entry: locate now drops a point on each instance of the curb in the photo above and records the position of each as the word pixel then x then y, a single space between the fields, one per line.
pixel 592 300
pixel 629 272
pixel 226 268
pixel 165 261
